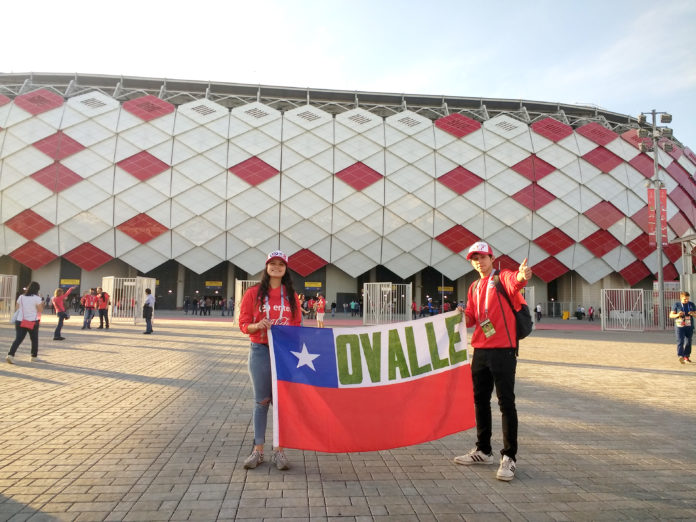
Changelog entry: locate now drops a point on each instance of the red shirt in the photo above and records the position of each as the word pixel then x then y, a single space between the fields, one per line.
pixel 103 302
pixel 252 311
pixel 59 301
pixel 89 301
pixel 499 312
pixel 321 305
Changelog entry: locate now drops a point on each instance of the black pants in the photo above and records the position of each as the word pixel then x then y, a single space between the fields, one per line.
pixel 103 316
pixel 489 367
pixel 21 334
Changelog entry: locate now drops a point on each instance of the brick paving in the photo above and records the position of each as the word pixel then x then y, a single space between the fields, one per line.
pixel 117 426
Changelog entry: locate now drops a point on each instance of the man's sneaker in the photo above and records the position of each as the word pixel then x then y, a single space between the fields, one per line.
pixel 10 359
pixel 474 457
pixel 687 359
pixel 36 359
pixel 59 338
pixel 681 360
pixel 507 468
pixel 280 460
pixel 253 460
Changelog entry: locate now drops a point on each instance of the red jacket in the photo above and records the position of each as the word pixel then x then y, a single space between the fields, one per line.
pixel 499 311
pixel 89 301
pixel 59 301
pixel 251 311
pixel 103 302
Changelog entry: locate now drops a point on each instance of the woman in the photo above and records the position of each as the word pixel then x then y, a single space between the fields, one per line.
pixel 272 301
pixel 30 305
pixel 59 298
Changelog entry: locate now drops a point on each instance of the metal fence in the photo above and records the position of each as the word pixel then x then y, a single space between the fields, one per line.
pixel 8 295
pixel 128 297
pixel 386 303
pixel 240 287
pixel 635 309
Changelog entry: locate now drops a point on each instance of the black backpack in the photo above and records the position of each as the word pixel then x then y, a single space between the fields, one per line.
pixel 523 317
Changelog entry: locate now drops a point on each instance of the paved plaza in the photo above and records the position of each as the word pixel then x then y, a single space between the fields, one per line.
pixel 115 425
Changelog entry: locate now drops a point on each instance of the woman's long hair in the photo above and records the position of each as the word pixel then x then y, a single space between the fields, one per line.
pixel 286 281
pixel 32 289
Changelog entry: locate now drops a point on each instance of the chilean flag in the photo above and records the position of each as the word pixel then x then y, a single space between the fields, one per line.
pixel 370 388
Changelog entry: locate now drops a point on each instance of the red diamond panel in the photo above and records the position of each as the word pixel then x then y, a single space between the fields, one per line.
pixel 679 224
pixel 254 171
pixel 87 257
pixel 680 198
pixel 640 218
pixel 457 238
pixel 690 154
pixel 39 101
pixel 669 273
pixel 631 136
pixel 148 107
pixel 29 224
pixel 554 241
pixel 604 214
pixel 604 159
pixel 600 243
pixel 457 125
pixel 552 129
pixel 643 164
pixel 56 177
pixel 460 180
pixel 635 272
pixel 683 178
pixel 533 197
pixel 672 251
pixel 505 261
pixel 533 168
pixel 549 269
pixel 305 262
pixel 359 176
pixel 597 133
pixel 33 255
pixel 143 165
pixel 640 246
pixel 4 100
pixel 59 146
pixel 142 228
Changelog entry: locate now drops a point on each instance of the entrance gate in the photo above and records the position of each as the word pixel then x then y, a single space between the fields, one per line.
pixel 623 309
pixel 386 303
pixel 128 297
pixel 240 286
pixel 8 295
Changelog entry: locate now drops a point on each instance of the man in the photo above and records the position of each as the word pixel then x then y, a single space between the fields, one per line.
pixel 89 303
pixel 538 312
pixel 320 307
pixel 683 314
pixel 494 362
pixel 148 308
pixel 103 302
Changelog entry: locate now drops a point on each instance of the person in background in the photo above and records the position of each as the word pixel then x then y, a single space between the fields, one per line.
pixel 538 312
pixel 683 314
pixel 320 307
pixel 30 305
pixel 103 302
pixel 495 355
pixel 590 313
pixel 272 301
pixel 333 309
pixel 59 298
pixel 89 303
pixel 148 309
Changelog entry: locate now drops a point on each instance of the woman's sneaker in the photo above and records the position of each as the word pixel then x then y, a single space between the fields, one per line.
pixel 253 460
pixel 280 460
pixel 10 359
pixel 474 457
pixel 507 468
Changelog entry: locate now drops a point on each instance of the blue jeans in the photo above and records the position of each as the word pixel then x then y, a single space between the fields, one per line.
pixel 260 373
pixel 489 367
pixel 148 324
pixel 89 313
pixel 684 336
pixel 61 317
pixel 21 333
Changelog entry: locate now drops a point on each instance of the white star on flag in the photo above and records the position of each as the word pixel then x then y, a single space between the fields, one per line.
pixel 304 358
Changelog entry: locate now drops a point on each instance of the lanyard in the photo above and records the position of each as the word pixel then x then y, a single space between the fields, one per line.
pixel 489 285
pixel 268 307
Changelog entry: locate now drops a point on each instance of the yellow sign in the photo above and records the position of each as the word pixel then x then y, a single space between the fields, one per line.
pixel 71 282
pixel 213 283
pixel 309 284
pixel 445 289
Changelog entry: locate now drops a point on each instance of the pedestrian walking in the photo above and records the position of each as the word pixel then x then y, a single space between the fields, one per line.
pixel 26 319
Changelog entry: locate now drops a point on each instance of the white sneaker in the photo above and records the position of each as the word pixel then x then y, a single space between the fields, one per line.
pixel 253 460
pixel 507 468
pixel 10 359
pixel 280 460
pixel 474 457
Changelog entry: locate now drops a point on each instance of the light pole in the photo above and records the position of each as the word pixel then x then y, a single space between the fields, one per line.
pixel 656 184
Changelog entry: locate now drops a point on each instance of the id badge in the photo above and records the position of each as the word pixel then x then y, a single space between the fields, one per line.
pixel 487 328
pixel 687 320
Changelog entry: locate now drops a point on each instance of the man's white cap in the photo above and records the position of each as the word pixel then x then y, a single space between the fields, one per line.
pixel 479 248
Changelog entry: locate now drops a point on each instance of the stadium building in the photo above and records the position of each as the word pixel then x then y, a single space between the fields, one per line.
pixel 193 183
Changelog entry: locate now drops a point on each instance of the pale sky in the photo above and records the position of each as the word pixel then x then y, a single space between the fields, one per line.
pixel 626 56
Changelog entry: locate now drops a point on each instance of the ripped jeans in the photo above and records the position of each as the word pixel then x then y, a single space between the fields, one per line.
pixel 260 373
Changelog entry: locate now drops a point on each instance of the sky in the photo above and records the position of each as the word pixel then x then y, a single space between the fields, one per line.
pixel 626 56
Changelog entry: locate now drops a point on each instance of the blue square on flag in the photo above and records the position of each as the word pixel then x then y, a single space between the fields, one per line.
pixel 305 355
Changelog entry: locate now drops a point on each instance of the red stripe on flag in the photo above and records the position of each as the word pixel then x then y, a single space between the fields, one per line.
pixel 338 420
